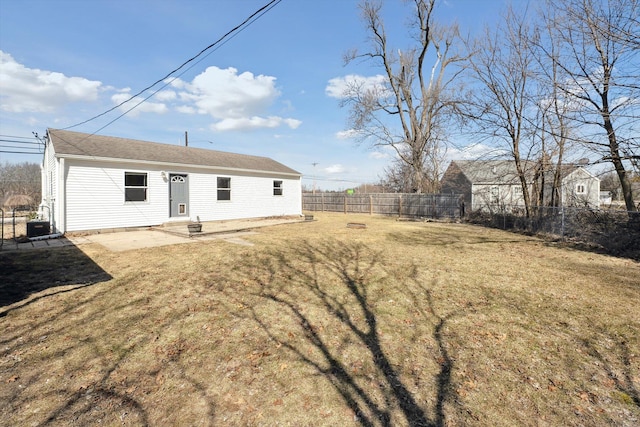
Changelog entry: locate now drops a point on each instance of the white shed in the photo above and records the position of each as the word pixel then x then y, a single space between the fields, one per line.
pixel 92 182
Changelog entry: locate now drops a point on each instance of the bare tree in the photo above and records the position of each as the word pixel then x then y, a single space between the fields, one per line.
pixel 20 179
pixel 400 175
pixel 602 75
pixel 553 109
pixel 503 107
pixel 408 111
pixel 626 30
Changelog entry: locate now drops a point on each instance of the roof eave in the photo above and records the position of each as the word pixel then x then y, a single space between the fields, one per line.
pixel 181 165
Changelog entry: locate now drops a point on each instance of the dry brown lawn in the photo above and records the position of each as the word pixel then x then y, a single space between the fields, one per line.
pixel 401 323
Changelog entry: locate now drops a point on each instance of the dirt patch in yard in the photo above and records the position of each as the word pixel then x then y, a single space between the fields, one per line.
pixel 398 323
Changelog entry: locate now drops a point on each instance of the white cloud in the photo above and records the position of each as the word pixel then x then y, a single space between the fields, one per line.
pixel 253 123
pixel 340 87
pixel 333 169
pixel 25 89
pixel 165 95
pixel 347 134
pixel 379 155
pixel 144 107
pixel 235 100
pixel 470 152
pixel 186 109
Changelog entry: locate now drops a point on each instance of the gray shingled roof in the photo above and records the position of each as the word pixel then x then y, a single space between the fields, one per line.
pixel 68 143
pixel 502 171
pixel 490 171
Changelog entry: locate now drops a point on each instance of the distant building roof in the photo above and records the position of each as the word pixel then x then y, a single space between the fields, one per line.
pixel 489 171
pixel 73 144
pixel 502 171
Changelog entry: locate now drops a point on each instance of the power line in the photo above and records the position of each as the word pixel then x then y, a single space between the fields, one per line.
pixel 13 147
pixel 20 152
pixel 19 137
pixel 260 12
pixel 13 141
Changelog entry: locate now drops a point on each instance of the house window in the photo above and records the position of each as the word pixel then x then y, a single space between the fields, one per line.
pixel 580 189
pixel 224 188
pixel 135 187
pixel 495 195
pixel 277 188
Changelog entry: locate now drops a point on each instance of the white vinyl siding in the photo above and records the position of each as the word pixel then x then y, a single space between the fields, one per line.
pixel 95 196
pixel 50 178
pixel 580 188
pixel 251 197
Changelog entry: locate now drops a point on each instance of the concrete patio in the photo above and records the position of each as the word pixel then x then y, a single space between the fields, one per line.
pixel 168 234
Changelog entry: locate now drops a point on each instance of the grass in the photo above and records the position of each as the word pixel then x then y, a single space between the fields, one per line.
pixel 401 323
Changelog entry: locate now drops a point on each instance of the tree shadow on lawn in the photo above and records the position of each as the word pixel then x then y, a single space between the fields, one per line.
pixel 438 237
pixel 23 273
pixel 346 287
pixel 114 358
pixel 615 361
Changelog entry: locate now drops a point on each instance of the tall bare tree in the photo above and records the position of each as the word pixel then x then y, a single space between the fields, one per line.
pixel 599 57
pixel 503 107
pixel 409 110
pixel 553 108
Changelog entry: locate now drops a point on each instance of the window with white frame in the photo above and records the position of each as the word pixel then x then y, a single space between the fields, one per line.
pixel 224 188
pixel 277 188
pixel 580 188
pixel 495 195
pixel 135 186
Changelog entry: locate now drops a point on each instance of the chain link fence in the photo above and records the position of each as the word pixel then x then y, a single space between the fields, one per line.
pixel 612 231
pixel 14 223
pixel 616 232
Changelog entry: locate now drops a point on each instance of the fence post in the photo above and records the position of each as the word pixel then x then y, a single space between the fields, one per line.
pixel 322 199
pixel 399 205
pixel 345 203
pixel 2 219
pixel 562 222
pixel 370 204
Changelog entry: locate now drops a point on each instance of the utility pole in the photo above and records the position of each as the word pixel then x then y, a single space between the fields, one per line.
pixel 314 177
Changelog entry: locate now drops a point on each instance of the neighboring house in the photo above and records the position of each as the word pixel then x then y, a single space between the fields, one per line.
pixel 94 182
pixel 579 187
pixel 494 185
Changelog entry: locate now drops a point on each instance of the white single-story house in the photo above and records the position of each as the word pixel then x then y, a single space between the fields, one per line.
pixel 494 185
pixel 92 182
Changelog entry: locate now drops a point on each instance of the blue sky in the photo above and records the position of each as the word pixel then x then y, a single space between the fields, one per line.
pixel 267 91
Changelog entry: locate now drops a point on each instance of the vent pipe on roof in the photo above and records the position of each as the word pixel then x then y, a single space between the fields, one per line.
pixel 186 139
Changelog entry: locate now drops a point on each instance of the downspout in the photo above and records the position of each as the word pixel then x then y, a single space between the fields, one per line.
pixel 43 188
pixel 61 210
pixel 45 184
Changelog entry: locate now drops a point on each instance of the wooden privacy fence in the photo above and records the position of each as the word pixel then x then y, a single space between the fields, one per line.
pixel 402 205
